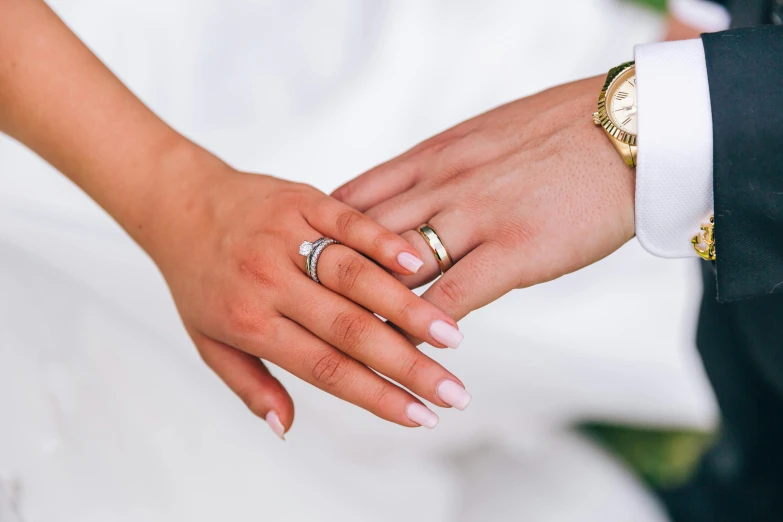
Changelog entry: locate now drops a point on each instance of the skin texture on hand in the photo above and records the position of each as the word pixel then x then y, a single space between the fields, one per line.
pixel 520 195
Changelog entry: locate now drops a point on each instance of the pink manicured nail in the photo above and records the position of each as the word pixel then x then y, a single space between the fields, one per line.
pixel 421 415
pixel 274 422
pixel 410 262
pixel 453 394
pixel 445 334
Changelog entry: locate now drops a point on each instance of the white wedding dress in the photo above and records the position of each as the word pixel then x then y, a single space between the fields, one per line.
pixel 106 411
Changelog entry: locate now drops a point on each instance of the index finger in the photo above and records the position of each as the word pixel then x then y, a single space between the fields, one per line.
pixel 357 278
pixel 357 231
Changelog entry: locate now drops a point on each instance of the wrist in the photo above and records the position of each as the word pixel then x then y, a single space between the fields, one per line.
pixel 613 150
pixel 592 148
pixel 174 199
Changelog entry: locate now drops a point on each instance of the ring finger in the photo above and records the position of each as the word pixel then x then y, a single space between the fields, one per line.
pixel 457 232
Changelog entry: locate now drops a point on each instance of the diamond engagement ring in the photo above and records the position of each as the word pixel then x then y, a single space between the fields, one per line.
pixel 312 251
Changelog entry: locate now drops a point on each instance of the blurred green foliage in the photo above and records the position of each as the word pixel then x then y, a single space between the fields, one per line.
pixel 658 5
pixel 663 458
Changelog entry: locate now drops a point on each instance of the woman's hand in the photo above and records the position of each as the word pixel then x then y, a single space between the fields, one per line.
pixel 230 255
pixel 227 242
pixel 520 195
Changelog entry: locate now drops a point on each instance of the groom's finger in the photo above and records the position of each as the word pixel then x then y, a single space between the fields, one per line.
pixel 250 379
pixel 379 183
pixel 458 233
pixel 474 281
pixel 408 210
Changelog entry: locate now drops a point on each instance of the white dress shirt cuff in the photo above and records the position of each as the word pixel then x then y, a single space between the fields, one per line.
pixel 674 158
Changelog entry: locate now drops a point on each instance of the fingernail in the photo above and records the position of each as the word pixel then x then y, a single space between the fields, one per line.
pixel 274 423
pixel 446 334
pixel 453 394
pixel 410 262
pixel 421 415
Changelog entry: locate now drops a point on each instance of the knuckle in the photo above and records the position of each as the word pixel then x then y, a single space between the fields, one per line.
pixel 265 333
pixel 350 330
pixel 244 319
pixel 254 268
pixel 348 271
pixel 295 198
pixel 330 370
pixel 451 159
pixel 319 210
pixel 512 234
pixel 384 245
pixel 441 146
pixel 381 395
pixel 453 171
pixel 347 221
pixel 452 292
pixel 292 194
pixel 476 204
pixel 268 330
pixel 411 367
pixel 406 313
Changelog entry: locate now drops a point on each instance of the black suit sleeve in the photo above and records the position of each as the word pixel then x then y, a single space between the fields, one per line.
pixel 745 72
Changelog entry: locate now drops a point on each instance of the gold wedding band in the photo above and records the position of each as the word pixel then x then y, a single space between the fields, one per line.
pixel 437 247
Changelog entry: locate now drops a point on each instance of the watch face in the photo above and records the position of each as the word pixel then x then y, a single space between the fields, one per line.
pixel 621 98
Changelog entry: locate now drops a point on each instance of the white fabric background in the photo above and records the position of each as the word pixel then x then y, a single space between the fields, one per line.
pixel 106 412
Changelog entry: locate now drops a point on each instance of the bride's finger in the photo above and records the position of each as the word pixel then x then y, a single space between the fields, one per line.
pixel 350 274
pixel 352 228
pixel 361 336
pixel 316 362
pixel 250 379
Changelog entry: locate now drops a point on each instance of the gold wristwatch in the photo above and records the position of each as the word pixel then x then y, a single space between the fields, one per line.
pixel 617 115
pixel 617 110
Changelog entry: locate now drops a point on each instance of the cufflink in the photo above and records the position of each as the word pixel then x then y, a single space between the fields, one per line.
pixel 704 242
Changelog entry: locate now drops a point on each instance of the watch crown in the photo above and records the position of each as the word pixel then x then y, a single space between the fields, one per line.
pixel 596 119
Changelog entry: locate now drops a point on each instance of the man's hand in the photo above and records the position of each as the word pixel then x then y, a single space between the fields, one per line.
pixel 520 195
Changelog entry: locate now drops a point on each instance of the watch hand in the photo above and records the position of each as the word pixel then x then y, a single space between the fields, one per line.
pixel 631 109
